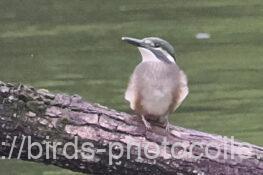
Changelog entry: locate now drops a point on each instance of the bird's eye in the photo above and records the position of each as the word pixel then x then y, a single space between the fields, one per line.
pixel 156 45
pixel 149 42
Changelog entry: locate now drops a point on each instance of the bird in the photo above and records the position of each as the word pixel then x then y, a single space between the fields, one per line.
pixel 157 86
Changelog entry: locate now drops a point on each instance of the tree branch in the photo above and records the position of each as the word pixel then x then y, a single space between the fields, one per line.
pixel 36 121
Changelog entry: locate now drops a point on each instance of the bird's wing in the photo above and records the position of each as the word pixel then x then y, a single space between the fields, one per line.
pixel 182 90
pixel 130 93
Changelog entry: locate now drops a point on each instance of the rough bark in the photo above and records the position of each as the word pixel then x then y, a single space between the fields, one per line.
pixel 25 111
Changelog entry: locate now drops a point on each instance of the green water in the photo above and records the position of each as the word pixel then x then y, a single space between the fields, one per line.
pixel 75 47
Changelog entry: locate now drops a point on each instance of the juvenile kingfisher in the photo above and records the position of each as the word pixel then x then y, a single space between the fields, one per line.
pixel 157 85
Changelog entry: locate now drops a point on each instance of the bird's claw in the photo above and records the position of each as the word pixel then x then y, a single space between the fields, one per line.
pixel 146 123
pixel 167 127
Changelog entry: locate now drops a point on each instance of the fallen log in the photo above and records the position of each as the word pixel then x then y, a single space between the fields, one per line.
pixel 74 134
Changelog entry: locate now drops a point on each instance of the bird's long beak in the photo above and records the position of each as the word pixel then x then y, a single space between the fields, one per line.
pixel 133 41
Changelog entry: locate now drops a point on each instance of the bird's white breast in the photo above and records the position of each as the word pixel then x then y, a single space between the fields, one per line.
pixel 147 55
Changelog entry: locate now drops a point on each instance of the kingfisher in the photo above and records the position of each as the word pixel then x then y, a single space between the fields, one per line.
pixel 157 86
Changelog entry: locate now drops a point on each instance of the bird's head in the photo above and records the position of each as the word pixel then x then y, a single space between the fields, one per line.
pixel 153 49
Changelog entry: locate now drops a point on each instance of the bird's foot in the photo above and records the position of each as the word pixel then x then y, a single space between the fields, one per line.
pixel 146 123
pixel 167 127
pixel 165 123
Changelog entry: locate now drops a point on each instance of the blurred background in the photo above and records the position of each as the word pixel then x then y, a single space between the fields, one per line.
pixel 75 47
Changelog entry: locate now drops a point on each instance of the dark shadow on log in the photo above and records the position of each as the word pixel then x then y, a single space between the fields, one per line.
pixel 53 119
